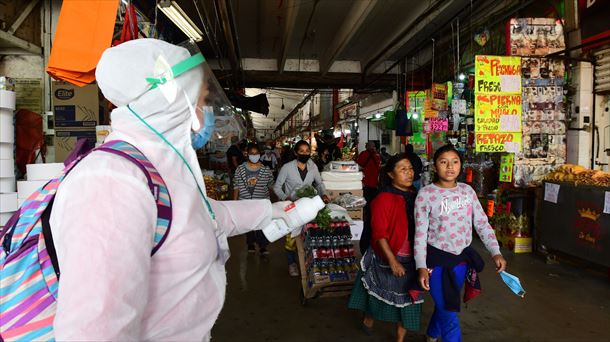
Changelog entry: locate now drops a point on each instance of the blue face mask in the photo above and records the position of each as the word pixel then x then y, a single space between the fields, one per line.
pixel 513 283
pixel 201 137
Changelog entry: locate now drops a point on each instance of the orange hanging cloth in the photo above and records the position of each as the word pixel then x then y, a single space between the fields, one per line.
pixel 84 31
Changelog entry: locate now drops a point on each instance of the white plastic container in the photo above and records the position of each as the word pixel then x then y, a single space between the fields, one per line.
pixel 6 151
pixel 300 212
pixel 8 202
pixel 7 129
pixel 39 172
pixel 7 184
pixel 7 168
pixel 4 217
pixel 7 99
pixel 26 188
pixel 344 166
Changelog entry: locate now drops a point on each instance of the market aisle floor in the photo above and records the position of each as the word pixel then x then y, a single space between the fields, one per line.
pixel 563 303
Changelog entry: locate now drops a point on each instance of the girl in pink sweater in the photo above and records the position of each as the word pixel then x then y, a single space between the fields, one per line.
pixel 445 213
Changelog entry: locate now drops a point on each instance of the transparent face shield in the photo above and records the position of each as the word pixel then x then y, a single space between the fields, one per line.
pixel 213 119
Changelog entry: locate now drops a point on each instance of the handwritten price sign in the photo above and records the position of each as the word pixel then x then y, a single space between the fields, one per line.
pixel 439 125
pixel 498 142
pixel 498 104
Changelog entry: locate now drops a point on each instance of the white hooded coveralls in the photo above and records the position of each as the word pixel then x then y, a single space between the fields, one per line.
pixel 104 216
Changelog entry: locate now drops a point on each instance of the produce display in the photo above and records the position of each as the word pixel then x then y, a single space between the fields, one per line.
pixel 216 188
pixel 579 175
pixel 329 253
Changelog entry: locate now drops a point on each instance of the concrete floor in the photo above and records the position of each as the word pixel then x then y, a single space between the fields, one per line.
pixel 563 303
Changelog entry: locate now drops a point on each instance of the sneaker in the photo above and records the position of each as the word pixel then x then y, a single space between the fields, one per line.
pixel 264 252
pixel 293 270
pixel 251 249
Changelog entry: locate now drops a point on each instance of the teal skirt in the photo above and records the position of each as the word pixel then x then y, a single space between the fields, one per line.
pixel 410 316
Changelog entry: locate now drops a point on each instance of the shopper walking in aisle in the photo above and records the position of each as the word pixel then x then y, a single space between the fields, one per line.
pixel 386 288
pixel 269 158
pixel 418 166
pixel 324 158
pixel 445 212
pixel 104 218
pixel 253 180
pixel 385 156
pixel 294 175
pixel 370 161
pixel 235 154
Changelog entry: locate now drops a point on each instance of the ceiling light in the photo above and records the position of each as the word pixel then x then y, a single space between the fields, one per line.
pixel 283 104
pixel 415 115
pixel 180 19
pixel 377 116
pixel 461 76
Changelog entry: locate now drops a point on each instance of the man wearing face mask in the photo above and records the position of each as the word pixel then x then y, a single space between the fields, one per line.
pixel 253 180
pixel 104 214
pixel 294 175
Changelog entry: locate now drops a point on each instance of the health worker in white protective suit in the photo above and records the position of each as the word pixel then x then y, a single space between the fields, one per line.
pixel 104 215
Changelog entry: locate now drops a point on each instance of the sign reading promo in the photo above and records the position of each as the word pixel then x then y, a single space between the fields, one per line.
pixel 498 104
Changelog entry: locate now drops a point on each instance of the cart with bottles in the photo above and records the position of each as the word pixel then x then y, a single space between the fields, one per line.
pixel 327 259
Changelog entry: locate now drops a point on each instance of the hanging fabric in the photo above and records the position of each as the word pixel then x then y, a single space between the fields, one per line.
pixel 84 31
pixel 404 125
pixel 130 26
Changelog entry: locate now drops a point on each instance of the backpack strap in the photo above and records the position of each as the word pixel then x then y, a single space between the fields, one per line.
pixel 35 207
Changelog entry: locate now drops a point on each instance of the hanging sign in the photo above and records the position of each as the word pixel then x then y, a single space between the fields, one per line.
pixel 439 96
pixel 436 125
pixel 498 142
pixel 497 74
pixel 507 162
pixel 498 104
pixel 429 111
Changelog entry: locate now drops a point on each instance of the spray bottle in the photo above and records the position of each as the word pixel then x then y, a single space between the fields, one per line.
pixel 298 213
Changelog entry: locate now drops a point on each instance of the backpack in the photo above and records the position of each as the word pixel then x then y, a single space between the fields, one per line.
pixel 28 263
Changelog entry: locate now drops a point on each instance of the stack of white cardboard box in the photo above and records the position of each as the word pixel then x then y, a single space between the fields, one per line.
pixel 37 176
pixel 8 196
pixel 344 177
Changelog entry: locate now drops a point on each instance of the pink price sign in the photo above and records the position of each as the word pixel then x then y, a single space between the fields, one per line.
pixel 438 125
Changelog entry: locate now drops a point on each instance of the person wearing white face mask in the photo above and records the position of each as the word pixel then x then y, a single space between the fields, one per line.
pixel 253 180
pixel 103 217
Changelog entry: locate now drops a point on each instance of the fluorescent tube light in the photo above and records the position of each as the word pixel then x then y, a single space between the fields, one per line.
pixel 180 19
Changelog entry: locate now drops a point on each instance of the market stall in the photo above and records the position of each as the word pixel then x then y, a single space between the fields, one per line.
pixel 575 213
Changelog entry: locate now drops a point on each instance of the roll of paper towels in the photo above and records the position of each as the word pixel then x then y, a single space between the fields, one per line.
pixel 7 184
pixel 7 130
pixel 7 168
pixel 4 217
pixel 7 99
pixel 6 151
pixel 8 202
pixel 39 172
pixel 26 188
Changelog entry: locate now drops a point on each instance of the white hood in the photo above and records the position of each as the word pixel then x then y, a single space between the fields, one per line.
pixel 121 75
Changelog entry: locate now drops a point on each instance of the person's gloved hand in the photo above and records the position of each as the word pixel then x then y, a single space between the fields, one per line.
pixel 277 211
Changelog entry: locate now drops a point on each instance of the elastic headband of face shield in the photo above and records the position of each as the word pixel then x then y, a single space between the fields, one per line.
pixel 164 79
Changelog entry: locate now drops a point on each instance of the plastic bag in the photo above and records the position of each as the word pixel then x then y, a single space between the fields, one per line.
pixel 349 201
